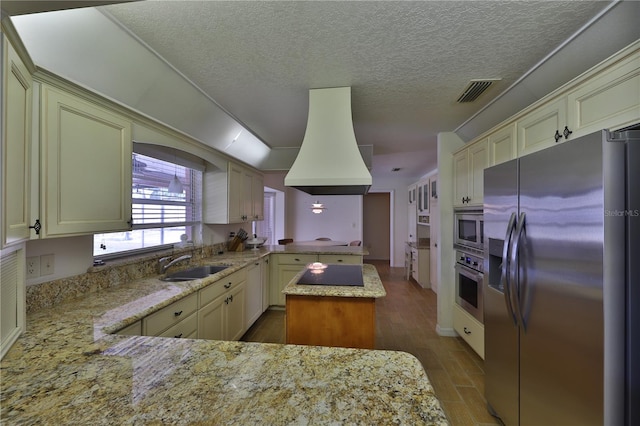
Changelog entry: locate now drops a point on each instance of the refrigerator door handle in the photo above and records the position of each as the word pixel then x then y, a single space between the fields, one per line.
pixel 504 275
pixel 514 265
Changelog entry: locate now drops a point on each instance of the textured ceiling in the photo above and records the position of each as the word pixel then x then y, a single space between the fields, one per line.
pixel 407 62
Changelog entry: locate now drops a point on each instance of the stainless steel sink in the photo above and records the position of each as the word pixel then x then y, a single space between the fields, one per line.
pixel 194 273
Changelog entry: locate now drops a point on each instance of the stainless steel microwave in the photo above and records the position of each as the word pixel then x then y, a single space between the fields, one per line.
pixel 469 229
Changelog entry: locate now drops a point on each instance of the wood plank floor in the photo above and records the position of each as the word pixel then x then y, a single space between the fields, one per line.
pixel 406 321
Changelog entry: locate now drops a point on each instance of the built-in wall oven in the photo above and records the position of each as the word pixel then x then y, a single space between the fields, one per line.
pixel 469 281
pixel 469 229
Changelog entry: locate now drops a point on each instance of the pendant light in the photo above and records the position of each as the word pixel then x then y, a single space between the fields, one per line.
pixel 317 207
pixel 175 186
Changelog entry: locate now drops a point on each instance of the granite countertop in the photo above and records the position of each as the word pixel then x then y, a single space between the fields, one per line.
pixel 68 369
pixel 373 287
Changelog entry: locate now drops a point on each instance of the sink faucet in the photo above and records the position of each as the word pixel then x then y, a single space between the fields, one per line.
pixel 163 265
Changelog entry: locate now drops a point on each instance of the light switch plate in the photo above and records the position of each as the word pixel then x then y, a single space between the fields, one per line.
pixel 33 267
pixel 46 264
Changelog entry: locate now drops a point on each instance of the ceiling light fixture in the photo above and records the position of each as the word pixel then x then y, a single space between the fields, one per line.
pixel 175 186
pixel 317 207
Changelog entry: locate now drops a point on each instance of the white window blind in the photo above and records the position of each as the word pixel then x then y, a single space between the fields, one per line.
pixel 266 227
pixel 159 217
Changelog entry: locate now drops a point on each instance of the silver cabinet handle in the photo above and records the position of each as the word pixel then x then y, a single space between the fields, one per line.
pixel 466 331
pixel 177 314
pixel 178 336
pixel 227 285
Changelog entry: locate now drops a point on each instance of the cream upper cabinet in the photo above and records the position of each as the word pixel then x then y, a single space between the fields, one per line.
pixel 85 166
pixel 237 189
pixel 257 197
pixel 16 141
pixel 502 145
pixel 235 195
pixel 609 100
pixel 543 127
pixel 468 168
pixel 460 177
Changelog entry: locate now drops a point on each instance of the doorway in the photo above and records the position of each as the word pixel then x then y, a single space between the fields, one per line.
pixel 376 225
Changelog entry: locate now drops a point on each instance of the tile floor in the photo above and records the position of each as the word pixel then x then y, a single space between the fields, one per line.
pixel 406 321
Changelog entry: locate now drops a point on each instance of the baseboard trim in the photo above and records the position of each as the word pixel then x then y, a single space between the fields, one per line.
pixel 446 332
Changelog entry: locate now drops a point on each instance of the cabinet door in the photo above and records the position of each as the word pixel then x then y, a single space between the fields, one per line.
pixel 211 320
pixel 257 197
pixel 460 177
pixel 348 259
pixel 254 293
pixel 16 142
pixel 265 274
pixel 536 130
pixel 502 145
pixel 234 316
pixel 236 189
pixel 86 166
pixel 12 297
pixel 478 161
pixel 609 101
pixel 285 274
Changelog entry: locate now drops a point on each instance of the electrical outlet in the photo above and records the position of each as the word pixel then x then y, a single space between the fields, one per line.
pixel 46 264
pixel 33 267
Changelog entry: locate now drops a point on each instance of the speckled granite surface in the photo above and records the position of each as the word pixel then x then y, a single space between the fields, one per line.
pixel 67 369
pixel 373 287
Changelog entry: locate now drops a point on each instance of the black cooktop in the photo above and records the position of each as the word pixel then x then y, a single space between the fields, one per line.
pixel 346 275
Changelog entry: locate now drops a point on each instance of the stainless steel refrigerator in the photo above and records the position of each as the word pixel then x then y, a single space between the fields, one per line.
pixel 562 281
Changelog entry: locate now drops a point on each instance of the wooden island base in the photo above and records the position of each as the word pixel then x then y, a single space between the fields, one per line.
pixel 331 321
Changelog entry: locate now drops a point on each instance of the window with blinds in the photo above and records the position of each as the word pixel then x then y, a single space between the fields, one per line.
pixel 166 208
pixel 266 227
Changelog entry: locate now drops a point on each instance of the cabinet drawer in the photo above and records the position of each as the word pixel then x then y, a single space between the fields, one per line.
pixel 186 329
pixel 296 259
pixel 134 329
pixel 213 291
pixel 161 320
pixel 469 328
pixel 339 258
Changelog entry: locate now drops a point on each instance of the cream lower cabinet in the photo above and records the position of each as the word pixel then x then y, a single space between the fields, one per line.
pixel 16 141
pixel 85 166
pixel 265 266
pixel 221 313
pixel 12 296
pixel 178 319
pixel 470 329
pixel 254 293
pixel 284 267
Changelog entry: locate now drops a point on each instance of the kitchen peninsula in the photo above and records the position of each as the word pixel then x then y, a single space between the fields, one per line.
pixel 333 305
pixel 68 368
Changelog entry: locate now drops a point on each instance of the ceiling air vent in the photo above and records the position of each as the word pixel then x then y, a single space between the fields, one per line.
pixel 475 88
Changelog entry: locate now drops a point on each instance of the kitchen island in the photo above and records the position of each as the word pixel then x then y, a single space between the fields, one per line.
pixel 329 309
pixel 68 368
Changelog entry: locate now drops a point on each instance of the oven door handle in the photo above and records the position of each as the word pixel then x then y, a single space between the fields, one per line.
pixel 506 268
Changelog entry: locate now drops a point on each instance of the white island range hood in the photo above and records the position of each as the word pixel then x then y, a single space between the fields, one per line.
pixel 329 162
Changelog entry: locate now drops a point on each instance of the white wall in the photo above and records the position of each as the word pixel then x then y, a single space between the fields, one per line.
pixel 342 219
pixel 447 144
